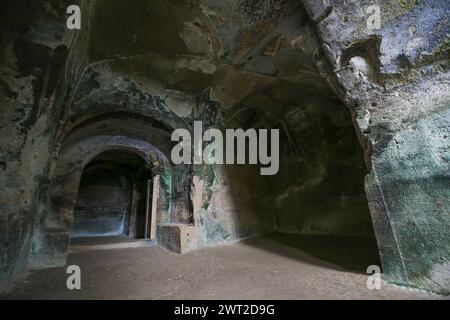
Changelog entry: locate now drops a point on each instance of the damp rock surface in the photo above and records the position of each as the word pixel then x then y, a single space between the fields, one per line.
pixel 363 116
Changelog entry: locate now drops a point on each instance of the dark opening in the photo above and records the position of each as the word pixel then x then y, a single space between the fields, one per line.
pixel 112 197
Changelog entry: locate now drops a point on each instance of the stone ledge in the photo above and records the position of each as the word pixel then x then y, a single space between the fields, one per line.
pixel 178 238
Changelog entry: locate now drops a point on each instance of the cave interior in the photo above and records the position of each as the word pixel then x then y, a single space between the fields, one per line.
pixel 88 117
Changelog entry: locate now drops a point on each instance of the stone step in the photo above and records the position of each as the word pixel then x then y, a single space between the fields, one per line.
pixel 178 238
pixel 110 246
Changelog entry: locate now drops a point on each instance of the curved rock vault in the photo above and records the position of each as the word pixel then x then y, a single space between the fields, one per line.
pixel 363 114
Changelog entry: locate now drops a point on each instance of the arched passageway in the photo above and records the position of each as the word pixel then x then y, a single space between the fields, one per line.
pixel 115 156
pixel 114 197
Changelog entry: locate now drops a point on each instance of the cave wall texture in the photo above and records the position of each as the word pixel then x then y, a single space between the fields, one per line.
pixel 40 62
pixel 349 102
pixel 400 100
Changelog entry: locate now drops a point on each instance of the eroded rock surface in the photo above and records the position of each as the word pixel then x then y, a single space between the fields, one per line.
pixel 351 103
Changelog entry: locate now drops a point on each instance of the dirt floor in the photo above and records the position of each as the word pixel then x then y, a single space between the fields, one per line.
pixel 270 267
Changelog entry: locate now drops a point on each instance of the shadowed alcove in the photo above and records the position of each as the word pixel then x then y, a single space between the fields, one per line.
pixel 113 197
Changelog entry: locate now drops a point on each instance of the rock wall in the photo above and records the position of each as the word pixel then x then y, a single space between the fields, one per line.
pixel 319 189
pixel 40 62
pixel 395 80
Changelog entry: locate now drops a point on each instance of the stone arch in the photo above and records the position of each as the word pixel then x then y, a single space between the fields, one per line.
pixel 79 147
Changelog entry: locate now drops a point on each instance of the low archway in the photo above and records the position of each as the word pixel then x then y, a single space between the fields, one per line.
pixel 114 197
pixel 89 141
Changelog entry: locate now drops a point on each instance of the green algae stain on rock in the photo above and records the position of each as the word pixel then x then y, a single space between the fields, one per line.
pixel 414 171
pixel 408 5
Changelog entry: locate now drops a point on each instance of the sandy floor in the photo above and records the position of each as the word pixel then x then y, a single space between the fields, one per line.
pixel 271 267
